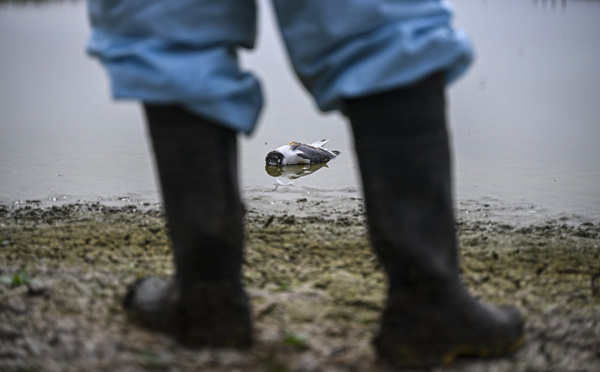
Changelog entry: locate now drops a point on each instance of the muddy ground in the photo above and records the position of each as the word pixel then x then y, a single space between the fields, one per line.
pixel 315 286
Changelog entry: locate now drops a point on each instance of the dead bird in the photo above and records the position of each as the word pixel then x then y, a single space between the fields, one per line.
pixel 300 153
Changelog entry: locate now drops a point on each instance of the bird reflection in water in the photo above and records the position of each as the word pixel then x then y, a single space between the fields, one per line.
pixel 286 175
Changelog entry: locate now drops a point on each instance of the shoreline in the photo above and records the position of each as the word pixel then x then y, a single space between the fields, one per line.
pixel 315 286
pixel 305 201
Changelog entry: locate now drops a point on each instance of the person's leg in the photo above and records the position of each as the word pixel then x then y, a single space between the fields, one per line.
pixel 196 161
pixel 179 58
pixel 381 70
pixel 403 149
pixel 179 52
pixel 351 48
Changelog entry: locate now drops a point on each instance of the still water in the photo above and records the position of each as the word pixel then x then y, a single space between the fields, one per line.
pixel 525 119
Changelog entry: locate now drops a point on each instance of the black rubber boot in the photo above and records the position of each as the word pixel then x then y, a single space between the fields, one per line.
pixel 403 150
pixel 205 304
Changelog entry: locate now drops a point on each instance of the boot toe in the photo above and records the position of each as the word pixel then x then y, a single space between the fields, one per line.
pixel 419 338
pixel 150 302
pixel 207 315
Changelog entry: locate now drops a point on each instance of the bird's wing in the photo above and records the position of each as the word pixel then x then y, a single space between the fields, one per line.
pixel 314 154
pixel 320 143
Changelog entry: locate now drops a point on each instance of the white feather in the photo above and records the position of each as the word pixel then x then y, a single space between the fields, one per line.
pixel 291 156
pixel 320 143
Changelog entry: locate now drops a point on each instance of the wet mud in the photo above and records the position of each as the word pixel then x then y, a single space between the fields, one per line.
pixel 314 282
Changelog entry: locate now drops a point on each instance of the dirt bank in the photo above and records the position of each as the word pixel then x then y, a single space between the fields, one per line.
pixel 316 289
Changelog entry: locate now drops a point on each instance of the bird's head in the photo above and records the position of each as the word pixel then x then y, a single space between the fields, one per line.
pixel 274 158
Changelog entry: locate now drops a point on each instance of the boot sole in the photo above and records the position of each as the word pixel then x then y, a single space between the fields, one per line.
pixel 408 357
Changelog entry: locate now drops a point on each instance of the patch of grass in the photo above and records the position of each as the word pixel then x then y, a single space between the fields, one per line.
pixel 283 287
pixel 20 278
pixel 294 339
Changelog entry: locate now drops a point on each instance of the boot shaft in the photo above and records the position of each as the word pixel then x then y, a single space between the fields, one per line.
pixel 402 145
pixel 196 161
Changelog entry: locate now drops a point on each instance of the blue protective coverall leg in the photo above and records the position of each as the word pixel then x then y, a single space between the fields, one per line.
pixel 185 51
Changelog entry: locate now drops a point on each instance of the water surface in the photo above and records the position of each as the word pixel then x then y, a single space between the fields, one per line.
pixel 525 119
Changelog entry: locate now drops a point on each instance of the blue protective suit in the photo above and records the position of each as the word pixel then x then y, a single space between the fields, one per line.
pixel 184 51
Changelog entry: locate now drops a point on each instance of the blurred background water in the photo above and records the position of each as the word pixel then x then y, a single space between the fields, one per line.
pixel 525 119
